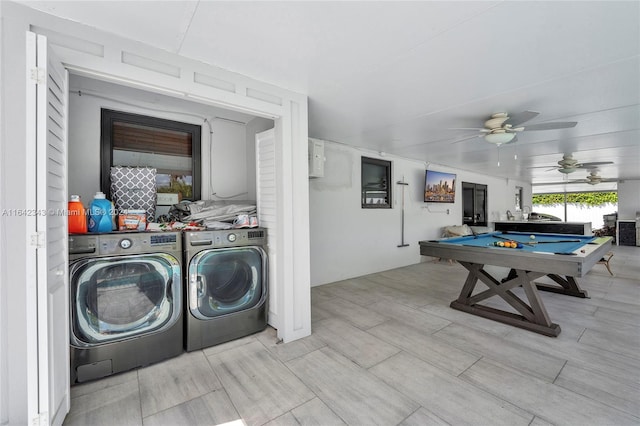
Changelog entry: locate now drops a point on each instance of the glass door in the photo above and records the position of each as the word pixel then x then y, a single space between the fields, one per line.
pixel 224 281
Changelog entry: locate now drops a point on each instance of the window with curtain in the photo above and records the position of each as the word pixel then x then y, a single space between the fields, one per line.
pixel 171 147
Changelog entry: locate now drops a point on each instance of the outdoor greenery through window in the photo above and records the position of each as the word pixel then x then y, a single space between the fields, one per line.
pixel 594 207
pixel 586 198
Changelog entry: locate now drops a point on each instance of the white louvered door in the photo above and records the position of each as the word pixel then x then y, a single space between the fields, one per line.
pixel 51 224
pixel 268 213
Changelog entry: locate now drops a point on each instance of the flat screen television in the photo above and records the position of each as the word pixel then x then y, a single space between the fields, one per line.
pixel 439 187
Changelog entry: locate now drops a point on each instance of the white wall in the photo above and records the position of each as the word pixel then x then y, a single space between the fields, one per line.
pixel 349 241
pixel 225 153
pixel 628 199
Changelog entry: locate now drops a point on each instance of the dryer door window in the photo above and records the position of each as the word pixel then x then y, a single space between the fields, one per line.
pixel 116 298
pixel 223 281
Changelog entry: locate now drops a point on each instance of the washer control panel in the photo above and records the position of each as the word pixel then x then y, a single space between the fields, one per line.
pixel 226 238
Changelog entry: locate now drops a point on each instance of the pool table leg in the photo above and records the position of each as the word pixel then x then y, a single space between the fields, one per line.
pixel 568 285
pixel 532 316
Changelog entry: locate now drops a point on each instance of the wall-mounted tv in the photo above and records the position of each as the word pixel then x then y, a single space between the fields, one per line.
pixel 439 187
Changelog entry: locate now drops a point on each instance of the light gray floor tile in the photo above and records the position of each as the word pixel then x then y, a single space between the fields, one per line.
pixel 601 387
pixel 96 385
pixel 550 402
pixel 625 291
pixel 211 409
pixel 287 419
pixel 630 318
pixel 473 321
pixel 321 293
pixel 534 362
pixel 114 405
pixel 175 381
pixel 355 292
pixel 537 421
pixel 212 350
pixel 357 396
pixel 613 342
pixel 356 314
pixel 621 306
pixel 259 385
pixel 287 351
pixel 316 413
pixel 594 358
pixel 319 314
pixel 357 345
pixel 424 346
pixel 423 417
pixel 410 316
pixel 448 397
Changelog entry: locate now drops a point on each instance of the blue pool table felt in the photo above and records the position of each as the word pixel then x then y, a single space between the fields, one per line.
pixel 548 244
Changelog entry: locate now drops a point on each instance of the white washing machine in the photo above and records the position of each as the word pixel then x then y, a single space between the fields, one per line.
pixel 126 301
pixel 226 285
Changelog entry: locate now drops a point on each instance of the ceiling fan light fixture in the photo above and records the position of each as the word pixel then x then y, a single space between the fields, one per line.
pixel 499 138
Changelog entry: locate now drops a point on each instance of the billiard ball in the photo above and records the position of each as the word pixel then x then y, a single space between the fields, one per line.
pixel 533 237
pixel 500 244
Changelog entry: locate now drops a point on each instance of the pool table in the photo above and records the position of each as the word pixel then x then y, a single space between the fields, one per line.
pixel 562 257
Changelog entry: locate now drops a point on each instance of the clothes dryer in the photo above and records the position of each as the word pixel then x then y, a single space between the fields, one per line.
pixel 126 301
pixel 226 285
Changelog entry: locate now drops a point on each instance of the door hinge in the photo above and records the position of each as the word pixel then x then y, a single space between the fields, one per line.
pixel 38 239
pixel 38 75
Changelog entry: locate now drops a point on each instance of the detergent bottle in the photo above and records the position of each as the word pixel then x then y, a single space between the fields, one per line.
pixel 77 216
pixel 100 214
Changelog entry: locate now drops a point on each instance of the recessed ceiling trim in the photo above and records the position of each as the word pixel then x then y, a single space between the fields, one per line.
pixel 150 64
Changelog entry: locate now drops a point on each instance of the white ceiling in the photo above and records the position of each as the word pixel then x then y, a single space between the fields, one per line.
pixel 398 76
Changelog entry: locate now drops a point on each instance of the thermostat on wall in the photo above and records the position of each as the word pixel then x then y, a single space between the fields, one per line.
pixel 316 158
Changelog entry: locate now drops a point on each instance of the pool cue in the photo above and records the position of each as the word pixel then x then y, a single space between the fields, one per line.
pixel 537 242
pixel 551 242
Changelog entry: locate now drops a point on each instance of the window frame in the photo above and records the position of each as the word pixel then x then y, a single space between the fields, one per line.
pixel 109 116
pixel 386 164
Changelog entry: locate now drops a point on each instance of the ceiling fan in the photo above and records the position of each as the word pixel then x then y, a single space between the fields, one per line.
pixel 501 128
pixel 568 164
pixel 593 179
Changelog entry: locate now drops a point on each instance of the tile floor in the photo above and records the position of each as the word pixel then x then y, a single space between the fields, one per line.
pixel 386 349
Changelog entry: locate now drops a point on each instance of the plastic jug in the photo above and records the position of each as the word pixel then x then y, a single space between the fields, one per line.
pixel 77 216
pixel 100 214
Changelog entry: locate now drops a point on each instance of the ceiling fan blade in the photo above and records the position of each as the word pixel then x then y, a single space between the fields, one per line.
pixel 478 129
pixel 551 126
pixel 593 164
pixel 542 167
pixel 467 138
pixel 521 117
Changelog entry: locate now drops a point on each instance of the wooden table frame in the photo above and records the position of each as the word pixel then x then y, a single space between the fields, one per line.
pixel 525 269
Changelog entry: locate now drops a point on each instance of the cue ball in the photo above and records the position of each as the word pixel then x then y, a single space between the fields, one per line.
pixel 533 237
